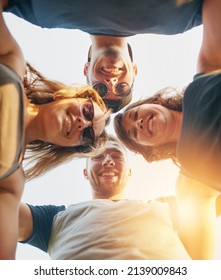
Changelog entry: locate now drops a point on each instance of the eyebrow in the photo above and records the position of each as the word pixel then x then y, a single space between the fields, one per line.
pixel 134 113
pixel 115 150
pixel 112 150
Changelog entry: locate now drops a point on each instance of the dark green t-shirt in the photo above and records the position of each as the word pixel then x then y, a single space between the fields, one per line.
pixel 199 145
pixel 111 17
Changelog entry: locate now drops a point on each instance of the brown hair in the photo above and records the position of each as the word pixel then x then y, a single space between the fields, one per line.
pixel 168 97
pixel 43 156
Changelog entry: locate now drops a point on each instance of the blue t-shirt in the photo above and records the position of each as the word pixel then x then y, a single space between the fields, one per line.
pixel 111 17
pixel 42 223
pixel 105 229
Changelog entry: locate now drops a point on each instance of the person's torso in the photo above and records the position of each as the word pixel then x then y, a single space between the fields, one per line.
pixel 11 121
pixel 111 17
pixel 124 229
pixel 199 145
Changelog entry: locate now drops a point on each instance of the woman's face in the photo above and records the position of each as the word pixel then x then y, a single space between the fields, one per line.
pixel 149 124
pixel 71 122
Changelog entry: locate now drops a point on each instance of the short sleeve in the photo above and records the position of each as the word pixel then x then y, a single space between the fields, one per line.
pixel 43 217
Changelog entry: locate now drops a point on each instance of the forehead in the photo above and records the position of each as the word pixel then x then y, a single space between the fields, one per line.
pixel 113 147
pixel 129 114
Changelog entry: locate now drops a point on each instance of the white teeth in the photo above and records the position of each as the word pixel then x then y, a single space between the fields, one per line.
pixel 150 125
pixel 108 174
pixel 69 123
pixel 111 70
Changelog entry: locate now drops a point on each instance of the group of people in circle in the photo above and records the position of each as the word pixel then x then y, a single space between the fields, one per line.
pixel 46 122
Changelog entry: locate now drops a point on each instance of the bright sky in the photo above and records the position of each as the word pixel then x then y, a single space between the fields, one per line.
pixel 60 54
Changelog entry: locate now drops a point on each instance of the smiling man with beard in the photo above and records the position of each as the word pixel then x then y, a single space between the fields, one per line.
pixel 110 227
pixel 110 70
pixel 108 173
pixel 109 23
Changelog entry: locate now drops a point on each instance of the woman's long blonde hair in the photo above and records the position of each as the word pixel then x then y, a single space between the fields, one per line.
pixel 42 156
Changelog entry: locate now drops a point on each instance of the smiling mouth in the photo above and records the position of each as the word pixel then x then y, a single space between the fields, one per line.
pixel 69 123
pixel 112 70
pixel 150 125
pixel 108 174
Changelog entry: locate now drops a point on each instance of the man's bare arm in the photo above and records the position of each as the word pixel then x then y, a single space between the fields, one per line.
pixel 209 58
pixel 196 204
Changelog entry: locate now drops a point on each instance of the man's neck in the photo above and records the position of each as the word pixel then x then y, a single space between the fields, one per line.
pixel 107 41
pixel 110 197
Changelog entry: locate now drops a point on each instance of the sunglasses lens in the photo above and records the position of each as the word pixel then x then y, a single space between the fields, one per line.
pixel 88 110
pixel 123 89
pixel 87 136
pixel 101 89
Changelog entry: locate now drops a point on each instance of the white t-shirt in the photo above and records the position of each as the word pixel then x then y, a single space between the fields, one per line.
pixel 102 229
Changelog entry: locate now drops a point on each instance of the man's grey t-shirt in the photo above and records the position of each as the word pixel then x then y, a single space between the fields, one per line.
pixel 113 230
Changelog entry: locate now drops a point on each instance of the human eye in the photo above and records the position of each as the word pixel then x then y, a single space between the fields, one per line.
pixel 99 157
pixel 87 110
pixel 136 115
pixel 118 156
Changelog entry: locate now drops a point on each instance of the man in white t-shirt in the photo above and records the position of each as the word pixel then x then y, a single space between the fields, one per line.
pixel 110 227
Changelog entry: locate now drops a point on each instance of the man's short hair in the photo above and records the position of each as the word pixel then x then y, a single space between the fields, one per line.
pixel 111 138
pixel 90 53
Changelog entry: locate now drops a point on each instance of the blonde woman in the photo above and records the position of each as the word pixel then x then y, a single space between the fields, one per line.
pixel 52 122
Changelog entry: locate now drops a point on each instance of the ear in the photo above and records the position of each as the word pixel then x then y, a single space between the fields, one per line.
pixel 135 69
pixel 85 173
pixel 86 66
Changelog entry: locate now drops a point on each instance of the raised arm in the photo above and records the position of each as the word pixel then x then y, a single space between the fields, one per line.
pixel 11 190
pixel 197 217
pixel 11 187
pixel 10 52
pixel 218 206
pixel 209 58
pixel 25 222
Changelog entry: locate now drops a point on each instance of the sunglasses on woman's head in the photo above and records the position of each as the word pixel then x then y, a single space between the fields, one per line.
pixel 121 89
pixel 87 135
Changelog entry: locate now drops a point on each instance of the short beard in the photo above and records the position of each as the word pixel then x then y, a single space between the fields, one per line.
pixel 109 191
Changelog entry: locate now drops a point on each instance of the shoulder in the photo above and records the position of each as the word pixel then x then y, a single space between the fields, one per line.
pixel 46 211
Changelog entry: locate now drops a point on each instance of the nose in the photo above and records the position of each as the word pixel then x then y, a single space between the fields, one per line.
pixel 139 123
pixel 82 123
pixel 108 161
pixel 111 82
